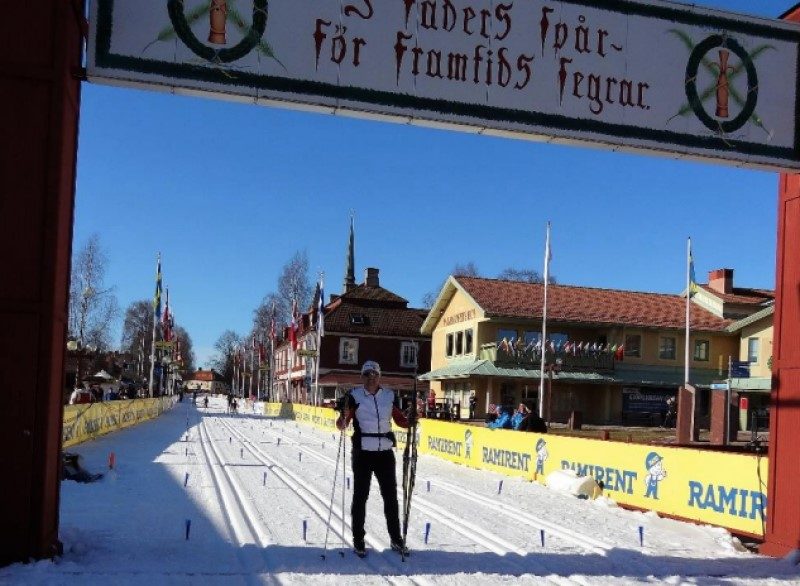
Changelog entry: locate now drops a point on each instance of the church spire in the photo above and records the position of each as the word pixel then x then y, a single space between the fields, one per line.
pixel 350 269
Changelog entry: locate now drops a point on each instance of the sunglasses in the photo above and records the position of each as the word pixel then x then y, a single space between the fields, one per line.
pixel 370 373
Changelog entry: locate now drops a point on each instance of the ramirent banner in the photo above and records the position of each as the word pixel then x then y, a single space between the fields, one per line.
pixel 723 489
pixel 654 76
pixel 85 422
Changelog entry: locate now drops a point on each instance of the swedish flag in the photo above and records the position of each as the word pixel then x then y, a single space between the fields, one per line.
pixel 693 288
pixel 157 296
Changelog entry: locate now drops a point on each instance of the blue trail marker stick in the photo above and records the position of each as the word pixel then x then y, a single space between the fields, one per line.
pixel 429 485
pixel 500 487
pixel 264 482
pixel 241 453
pixel 348 483
pixel 186 452
pixel 541 535
pixel 279 441
pixel 641 536
pixel 427 532
pixel 188 528
pixel 230 440
pixel 186 480
pixel 305 529
pixel 300 456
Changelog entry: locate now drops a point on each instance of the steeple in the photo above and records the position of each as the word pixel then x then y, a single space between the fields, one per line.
pixel 350 262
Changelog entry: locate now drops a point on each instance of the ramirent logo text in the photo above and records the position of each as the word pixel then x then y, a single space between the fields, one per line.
pixel 506 458
pixel 444 446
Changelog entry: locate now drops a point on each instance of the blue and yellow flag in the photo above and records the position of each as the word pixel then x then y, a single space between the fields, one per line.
pixel 157 296
pixel 692 280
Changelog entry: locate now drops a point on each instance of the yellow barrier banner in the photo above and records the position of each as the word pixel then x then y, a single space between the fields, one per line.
pixel 88 421
pixel 724 489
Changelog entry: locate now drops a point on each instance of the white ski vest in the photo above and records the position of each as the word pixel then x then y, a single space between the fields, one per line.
pixel 373 415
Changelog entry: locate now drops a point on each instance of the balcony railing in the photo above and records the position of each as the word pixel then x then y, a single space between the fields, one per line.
pixel 579 362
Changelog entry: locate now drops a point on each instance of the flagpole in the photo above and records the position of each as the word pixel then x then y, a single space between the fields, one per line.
pixel 252 362
pixel 544 320
pixel 271 391
pixel 156 310
pixel 688 296
pixel 689 290
pixel 320 333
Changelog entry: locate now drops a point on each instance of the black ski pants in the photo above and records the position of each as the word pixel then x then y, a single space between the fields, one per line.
pixel 382 464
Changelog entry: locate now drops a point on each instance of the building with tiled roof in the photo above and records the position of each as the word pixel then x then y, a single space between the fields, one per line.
pixel 364 322
pixel 614 356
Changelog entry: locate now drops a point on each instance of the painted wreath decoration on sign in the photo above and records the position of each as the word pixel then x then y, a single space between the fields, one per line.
pixel 219 13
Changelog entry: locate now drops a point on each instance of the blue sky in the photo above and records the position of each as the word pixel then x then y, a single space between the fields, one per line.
pixel 229 192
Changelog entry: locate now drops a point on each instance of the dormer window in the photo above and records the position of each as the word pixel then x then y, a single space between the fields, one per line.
pixel 358 319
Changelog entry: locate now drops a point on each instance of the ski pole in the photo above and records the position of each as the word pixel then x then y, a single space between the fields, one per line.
pixel 333 491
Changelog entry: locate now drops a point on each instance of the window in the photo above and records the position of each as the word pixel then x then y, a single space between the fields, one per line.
pixel 459 343
pixel 449 345
pixel 531 338
pixel 359 319
pixel 666 348
pixel 507 334
pixel 408 354
pixel 348 351
pixel 468 341
pixel 701 350
pixel 633 345
pixel 558 340
pixel 752 349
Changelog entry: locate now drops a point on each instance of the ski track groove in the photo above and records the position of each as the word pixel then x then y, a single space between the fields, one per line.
pixel 319 505
pixel 479 535
pixel 578 539
pixel 234 510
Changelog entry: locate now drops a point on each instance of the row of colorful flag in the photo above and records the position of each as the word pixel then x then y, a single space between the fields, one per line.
pixel 517 346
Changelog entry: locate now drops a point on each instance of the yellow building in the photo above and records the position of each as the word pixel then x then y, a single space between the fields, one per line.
pixel 611 356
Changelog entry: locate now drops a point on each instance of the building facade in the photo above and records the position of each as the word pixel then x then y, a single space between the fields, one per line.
pixel 365 322
pixel 611 356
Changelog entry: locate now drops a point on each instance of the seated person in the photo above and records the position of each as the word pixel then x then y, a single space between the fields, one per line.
pixel 503 420
pixel 519 421
pixel 491 413
pixel 535 423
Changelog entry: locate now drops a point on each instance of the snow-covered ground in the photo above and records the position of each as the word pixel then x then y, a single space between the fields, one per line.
pixel 249 484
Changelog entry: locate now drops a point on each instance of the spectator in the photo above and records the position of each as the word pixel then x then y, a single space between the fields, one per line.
pixel 80 396
pixel 503 420
pixel 473 402
pixel 431 404
pixel 535 423
pixel 672 411
pixel 519 421
pixel 491 413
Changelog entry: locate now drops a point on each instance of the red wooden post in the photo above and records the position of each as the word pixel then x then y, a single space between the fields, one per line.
pixel 783 500
pixel 40 96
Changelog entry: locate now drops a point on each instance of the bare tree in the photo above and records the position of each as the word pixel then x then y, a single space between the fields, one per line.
pixel 523 275
pixel 468 269
pixel 225 346
pixel 137 333
pixel 262 318
pixel 187 348
pixel 93 307
pixel 293 284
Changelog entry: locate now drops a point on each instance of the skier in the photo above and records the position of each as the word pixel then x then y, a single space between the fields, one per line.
pixel 372 408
